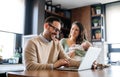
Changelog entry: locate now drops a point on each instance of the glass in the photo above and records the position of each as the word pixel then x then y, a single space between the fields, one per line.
pixel 56 29
pixel 9 42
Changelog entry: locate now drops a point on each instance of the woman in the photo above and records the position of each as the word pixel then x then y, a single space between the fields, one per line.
pixel 76 43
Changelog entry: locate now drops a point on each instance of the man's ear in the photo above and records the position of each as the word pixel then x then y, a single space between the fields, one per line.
pixel 46 25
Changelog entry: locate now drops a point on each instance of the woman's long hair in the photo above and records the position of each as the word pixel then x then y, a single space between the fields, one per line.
pixel 81 37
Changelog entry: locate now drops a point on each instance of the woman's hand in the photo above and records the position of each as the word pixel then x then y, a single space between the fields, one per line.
pixel 94 65
pixel 71 54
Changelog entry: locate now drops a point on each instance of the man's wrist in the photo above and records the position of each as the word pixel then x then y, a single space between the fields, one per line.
pixel 52 67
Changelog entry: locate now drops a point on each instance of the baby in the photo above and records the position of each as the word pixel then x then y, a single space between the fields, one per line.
pixel 86 45
pixel 79 50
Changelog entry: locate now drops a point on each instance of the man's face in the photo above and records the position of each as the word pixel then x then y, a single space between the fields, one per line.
pixel 54 29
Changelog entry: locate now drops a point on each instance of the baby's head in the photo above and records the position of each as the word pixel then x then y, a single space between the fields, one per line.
pixel 86 45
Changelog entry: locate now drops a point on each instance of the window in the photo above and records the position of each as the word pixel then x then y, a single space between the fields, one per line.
pixel 12 15
pixel 113 28
pixel 9 42
pixel 112 22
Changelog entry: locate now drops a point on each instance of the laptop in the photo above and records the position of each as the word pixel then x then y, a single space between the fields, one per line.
pixel 91 55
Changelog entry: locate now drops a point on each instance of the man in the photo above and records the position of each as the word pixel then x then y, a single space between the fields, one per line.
pixel 44 51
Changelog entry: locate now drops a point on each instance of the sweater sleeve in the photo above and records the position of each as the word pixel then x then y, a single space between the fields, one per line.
pixel 31 58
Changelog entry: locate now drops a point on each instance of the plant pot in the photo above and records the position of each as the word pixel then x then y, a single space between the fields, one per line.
pixel 98 11
pixel 17 60
pixel 98 35
pixel 95 24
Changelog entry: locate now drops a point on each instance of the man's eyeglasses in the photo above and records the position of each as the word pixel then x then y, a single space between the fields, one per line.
pixel 56 29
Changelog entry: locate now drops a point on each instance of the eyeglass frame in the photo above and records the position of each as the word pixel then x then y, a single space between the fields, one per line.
pixel 56 29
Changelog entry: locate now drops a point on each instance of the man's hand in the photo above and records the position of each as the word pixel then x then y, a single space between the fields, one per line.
pixel 61 62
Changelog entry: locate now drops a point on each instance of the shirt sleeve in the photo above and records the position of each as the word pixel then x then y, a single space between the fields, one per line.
pixel 62 42
pixel 64 45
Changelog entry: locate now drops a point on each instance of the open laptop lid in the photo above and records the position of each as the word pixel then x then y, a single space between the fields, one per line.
pixel 91 55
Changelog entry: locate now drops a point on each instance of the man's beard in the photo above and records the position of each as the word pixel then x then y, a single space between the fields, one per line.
pixel 52 35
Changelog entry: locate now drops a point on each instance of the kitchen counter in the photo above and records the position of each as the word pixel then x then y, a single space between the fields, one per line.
pixel 11 67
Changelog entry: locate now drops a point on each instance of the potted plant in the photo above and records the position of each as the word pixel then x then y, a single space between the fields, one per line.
pixel 98 34
pixel 95 22
pixel 98 9
pixel 16 57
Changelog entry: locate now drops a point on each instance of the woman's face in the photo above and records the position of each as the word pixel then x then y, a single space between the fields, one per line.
pixel 74 32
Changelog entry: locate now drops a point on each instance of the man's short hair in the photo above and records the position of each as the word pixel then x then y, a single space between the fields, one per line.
pixel 50 19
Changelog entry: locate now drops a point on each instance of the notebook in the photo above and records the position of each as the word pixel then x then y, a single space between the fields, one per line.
pixel 91 55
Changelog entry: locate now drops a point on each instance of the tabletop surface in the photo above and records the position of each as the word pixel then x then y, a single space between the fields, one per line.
pixel 112 71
